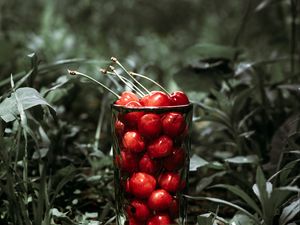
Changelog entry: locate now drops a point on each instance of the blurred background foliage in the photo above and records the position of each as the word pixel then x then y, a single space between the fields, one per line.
pixel 237 60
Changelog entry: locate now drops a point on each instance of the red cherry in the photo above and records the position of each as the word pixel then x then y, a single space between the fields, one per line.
pixel 142 184
pixel 127 186
pixel 131 119
pixel 127 162
pixel 138 209
pixel 133 141
pixel 173 124
pixel 156 99
pixel 126 97
pixel 160 147
pixel 133 221
pixel 119 128
pixel 174 208
pixel 175 160
pixel 159 200
pixel 169 181
pixel 179 98
pixel 149 125
pixel 149 165
pixel 160 219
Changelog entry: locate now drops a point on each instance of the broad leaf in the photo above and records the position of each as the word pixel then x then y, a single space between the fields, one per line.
pixel 289 212
pixel 197 162
pixel 27 97
pixel 250 159
pixel 241 219
pixel 243 195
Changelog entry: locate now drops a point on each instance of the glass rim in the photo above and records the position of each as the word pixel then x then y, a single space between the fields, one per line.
pixel 158 109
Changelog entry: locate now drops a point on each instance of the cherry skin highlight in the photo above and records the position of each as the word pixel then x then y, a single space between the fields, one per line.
pixel 126 97
pixel 173 124
pixel 175 160
pixel 159 200
pixel 142 184
pixel 149 125
pixel 133 142
pixel 139 210
pixel 169 181
pixel 119 128
pixel 131 119
pixel 156 99
pixel 160 219
pixel 149 165
pixel 127 161
pixel 160 147
pixel 179 98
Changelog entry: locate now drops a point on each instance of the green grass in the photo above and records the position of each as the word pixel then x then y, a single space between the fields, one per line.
pixel 238 61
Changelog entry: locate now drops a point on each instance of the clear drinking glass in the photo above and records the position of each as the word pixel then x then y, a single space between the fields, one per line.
pixel 151 163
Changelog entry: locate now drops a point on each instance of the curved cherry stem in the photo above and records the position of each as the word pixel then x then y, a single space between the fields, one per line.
pixel 115 60
pixel 149 79
pixel 126 81
pixel 73 73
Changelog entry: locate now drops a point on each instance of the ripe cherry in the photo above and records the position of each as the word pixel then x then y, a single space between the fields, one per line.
pixel 149 165
pixel 179 98
pixel 156 99
pixel 173 124
pixel 119 128
pixel 131 119
pixel 138 209
pixel 159 200
pixel 127 161
pixel 174 208
pixel 149 125
pixel 142 184
pixel 133 142
pixel 127 186
pixel 160 147
pixel 133 221
pixel 169 181
pixel 175 160
pixel 126 97
pixel 160 219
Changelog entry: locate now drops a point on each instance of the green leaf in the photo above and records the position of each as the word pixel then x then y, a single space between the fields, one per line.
pixel 286 170
pixel 289 212
pixel 250 159
pixel 208 50
pixel 211 217
pixel 206 181
pixel 27 97
pixel 241 219
pixel 206 219
pixel 243 195
pixel 62 177
pixel 197 162
pixel 221 201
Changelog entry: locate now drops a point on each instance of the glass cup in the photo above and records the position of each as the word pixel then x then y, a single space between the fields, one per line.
pixel 151 164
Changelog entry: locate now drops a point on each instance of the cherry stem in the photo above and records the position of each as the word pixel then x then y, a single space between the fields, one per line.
pixel 149 79
pixel 126 81
pixel 73 72
pixel 115 60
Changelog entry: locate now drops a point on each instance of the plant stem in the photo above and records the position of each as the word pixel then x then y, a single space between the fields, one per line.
pixel 73 72
pixel 293 34
pixel 153 81
pixel 126 71
pixel 126 81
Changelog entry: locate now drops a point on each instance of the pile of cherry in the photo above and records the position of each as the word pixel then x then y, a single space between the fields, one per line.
pixel 151 157
pixel 150 154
